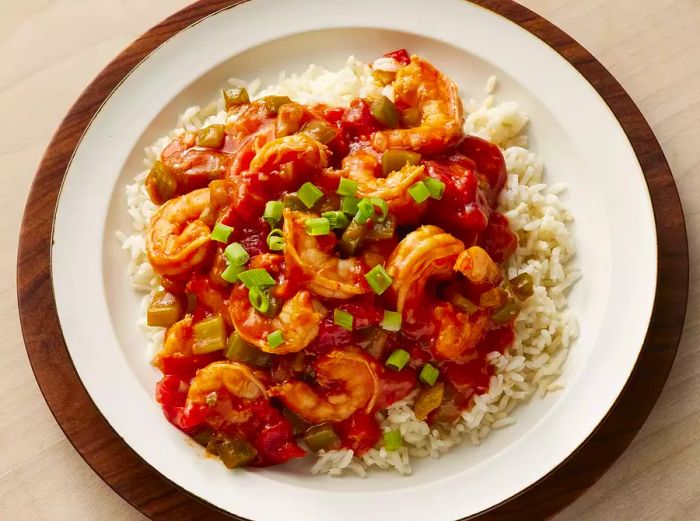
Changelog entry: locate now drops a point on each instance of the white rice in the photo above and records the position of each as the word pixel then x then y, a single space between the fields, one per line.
pixel 544 329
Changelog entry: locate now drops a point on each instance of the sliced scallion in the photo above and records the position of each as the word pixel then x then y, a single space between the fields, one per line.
pixel 365 211
pixel 259 299
pixel 275 339
pixel 349 204
pixel 435 188
pixel 381 204
pixel 378 279
pixel 419 192
pixel 275 240
pixel 343 319
pixel 221 233
pixel 429 374
pixel 397 360
pixel 393 440
pixel 338 220
pixel 273 212
pixel 309 194
pixel 235 254
pixel 258 277
pixel 391 321
pixel 347 187
pixel 230 274
pixel 317 226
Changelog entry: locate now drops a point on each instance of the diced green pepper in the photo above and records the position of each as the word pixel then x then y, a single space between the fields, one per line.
pixel 507 313
pixel 203 437
pixel 238 350
pixel 299 425
pixel 522 286
pixel 321 437
pixel 394 160
pixel 320 130
pixel 273 103
pixel 235 96
pixel 165 310
pixel 209 335
pixel 211 137
pixel 161 185
pixel 352 238
pixel 234 451
pixel 373 339
pixel 385 112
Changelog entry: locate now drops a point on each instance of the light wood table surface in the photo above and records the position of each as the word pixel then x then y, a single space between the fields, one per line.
pixel 51 49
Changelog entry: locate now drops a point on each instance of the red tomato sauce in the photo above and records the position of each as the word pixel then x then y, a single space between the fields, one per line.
pixel 473 174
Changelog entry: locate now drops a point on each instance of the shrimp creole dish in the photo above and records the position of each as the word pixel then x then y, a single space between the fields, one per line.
pixel 355 264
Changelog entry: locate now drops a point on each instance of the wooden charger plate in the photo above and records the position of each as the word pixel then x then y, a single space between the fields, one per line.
pixel 149 492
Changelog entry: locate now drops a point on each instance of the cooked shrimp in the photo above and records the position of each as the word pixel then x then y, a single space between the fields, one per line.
pixel 361 166
pixel 420 85
pixel 178 238
pixel 478 267
pixel 425 253
pixel 178 341
pixel 347 380
pixel 298 320
pixel 302 153
pixel 326 274
pixel 238 379
pixel 459 332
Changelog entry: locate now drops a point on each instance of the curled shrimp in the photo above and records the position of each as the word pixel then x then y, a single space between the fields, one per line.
pixel 420 85
pixel 238 379
pixel 302 153
pixel 429 253
pixel 325 274
pixel 362 165
pixel 298 320
pixel 178 238
pixel 425 253
pixel 347 380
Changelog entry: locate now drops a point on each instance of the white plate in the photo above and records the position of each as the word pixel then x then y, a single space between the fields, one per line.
pixel 582 143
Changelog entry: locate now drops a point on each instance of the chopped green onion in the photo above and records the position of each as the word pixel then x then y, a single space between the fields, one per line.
pixel 393 440
pixel 273 212
pixel 221 233
pixel 275 339
pixel 258 277
pixel 397 360
pixel 429 374
pixel 391 321
pixel 235 254
pixel 275 240
pixel 381 204
pixel 337 219
pixel 378 279
pixel 343 319
pixel 259 299
pixel 347 187
pixel 309 194
pixel 419 192
pixel 317 226
pixel 230 274
pixel 365 211
pixel 435 187
pixel 348 204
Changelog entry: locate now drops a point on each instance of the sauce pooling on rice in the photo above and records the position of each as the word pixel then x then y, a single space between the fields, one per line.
pixel 320 263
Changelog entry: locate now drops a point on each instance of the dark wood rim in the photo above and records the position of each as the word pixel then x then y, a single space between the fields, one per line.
pixel 153 495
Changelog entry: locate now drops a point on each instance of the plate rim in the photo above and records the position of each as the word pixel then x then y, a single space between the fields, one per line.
pixel 34 270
